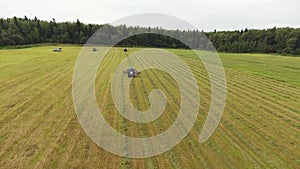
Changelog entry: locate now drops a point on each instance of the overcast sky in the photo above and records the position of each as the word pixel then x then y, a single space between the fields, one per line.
pixel 204 14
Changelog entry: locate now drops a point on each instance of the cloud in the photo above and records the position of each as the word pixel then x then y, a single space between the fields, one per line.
pixel 204 14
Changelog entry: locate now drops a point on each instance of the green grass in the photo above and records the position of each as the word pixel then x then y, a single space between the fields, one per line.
pixel 39 128
pixel 280 68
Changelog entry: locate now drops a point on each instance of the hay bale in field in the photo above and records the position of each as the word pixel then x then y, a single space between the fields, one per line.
pixel 57 50
pixel 125 50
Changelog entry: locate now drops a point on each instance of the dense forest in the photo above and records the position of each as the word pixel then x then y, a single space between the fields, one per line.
pixel 20 31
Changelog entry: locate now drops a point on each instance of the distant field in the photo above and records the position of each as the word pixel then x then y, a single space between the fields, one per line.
pixel 260 127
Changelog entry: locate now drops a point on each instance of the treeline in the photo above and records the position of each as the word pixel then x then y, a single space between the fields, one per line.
pixel 275 40
pixel 20 31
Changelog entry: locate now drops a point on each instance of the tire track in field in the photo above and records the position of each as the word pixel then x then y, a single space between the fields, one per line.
pixel 172 120
pixel 191 156
pixel 145 130
pixel 155 130
pixel 104 82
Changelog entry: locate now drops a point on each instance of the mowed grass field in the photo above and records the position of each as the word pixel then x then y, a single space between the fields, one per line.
pixel 260 127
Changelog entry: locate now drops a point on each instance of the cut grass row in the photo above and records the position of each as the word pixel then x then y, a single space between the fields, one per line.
pixel 39 129
pixel 239 91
